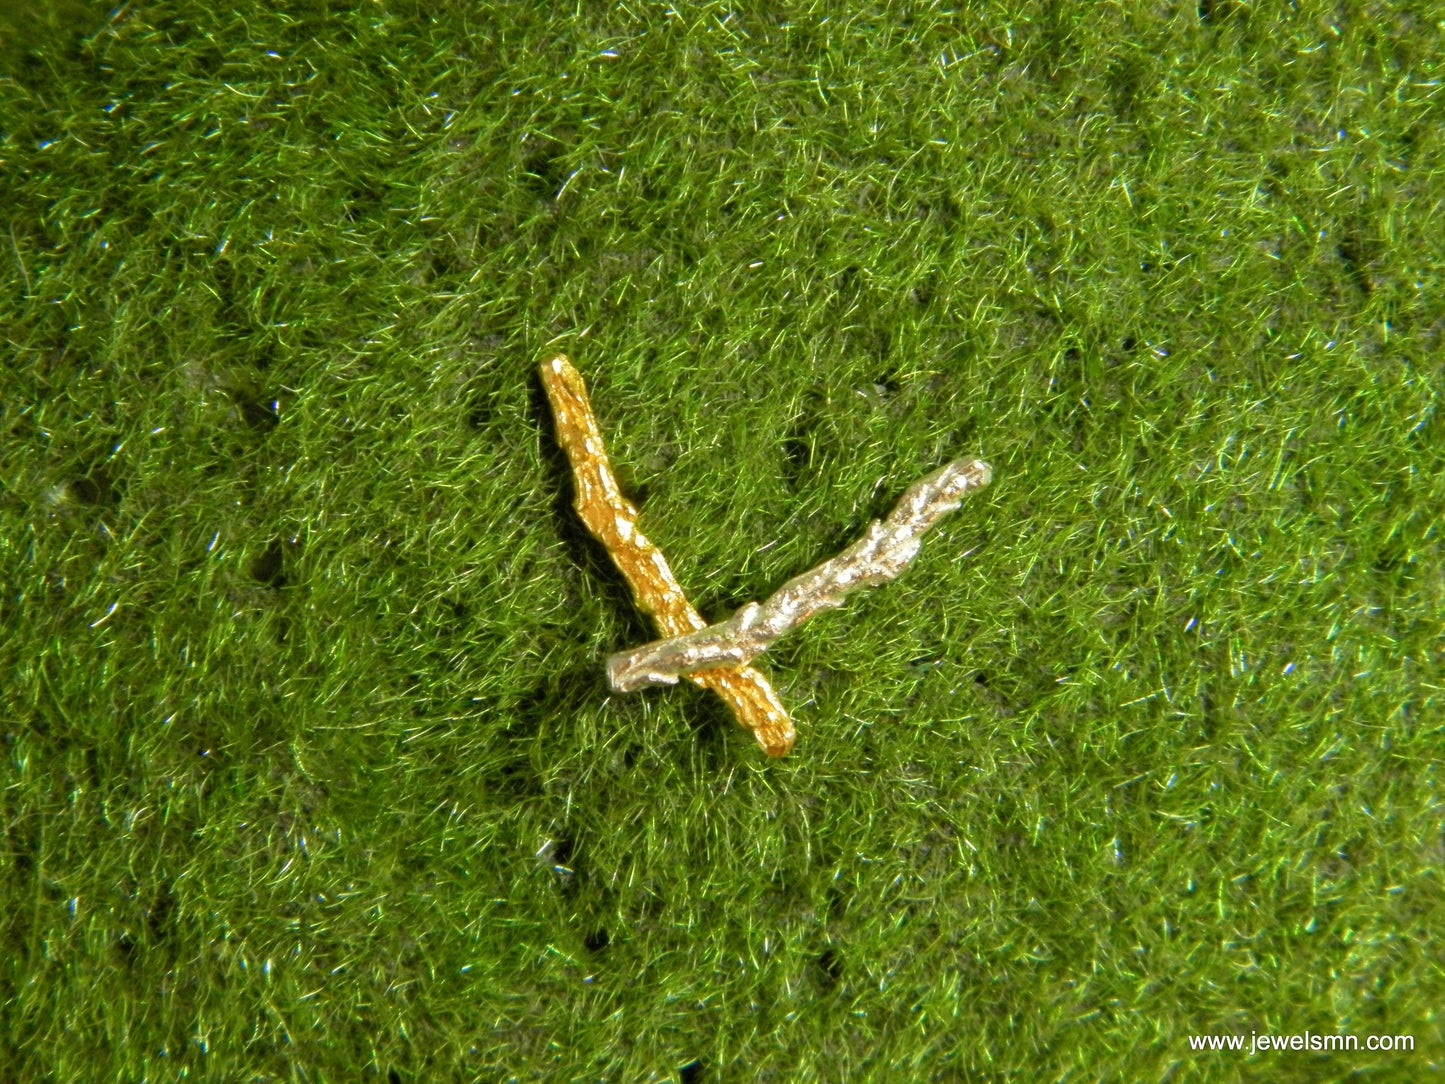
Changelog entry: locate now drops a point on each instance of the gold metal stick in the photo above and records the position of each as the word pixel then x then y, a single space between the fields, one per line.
pixel 612 519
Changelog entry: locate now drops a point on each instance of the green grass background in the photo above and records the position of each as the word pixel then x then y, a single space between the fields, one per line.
pixel 310 768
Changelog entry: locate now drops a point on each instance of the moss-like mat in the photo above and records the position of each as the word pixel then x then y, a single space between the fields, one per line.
pixel 310 769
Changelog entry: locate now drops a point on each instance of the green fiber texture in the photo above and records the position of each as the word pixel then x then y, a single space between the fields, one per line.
pixel 309 770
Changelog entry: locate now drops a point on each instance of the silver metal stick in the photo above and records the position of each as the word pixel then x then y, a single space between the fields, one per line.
pixel 880 555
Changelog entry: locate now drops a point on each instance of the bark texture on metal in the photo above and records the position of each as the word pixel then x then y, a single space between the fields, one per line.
pixel 612 519
pixel 886 548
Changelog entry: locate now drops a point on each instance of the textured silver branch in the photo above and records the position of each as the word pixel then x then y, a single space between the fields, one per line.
pixel 881 554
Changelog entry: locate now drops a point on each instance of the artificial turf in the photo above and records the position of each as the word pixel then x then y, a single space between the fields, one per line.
pixel 311 772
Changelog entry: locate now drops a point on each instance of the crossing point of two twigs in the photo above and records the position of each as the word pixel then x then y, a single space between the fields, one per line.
pixel 717 656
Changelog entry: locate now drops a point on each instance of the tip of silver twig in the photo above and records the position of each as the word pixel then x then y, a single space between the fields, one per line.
pixel 627 679
pixel 961 476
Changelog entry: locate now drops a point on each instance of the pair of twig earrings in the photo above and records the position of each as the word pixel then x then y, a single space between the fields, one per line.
pixel 717 656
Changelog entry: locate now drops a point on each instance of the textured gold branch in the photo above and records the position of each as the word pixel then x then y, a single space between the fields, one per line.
pixel 612 519
pixel 882 553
